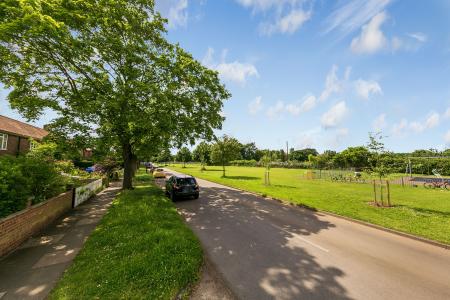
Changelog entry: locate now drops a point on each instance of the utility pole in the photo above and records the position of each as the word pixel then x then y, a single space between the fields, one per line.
pixel 287 151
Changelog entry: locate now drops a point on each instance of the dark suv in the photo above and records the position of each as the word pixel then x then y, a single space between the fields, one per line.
pixel 182 186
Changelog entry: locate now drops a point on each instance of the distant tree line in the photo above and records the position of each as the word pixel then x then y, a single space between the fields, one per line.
pixel 372 156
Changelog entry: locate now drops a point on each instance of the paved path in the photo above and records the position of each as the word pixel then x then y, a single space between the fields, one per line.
pixel 32 270
pixel 265 250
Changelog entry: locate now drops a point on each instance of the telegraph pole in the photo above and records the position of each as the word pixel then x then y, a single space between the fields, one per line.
pixel 287 151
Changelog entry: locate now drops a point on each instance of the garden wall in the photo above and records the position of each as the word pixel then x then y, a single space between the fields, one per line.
pixel 18 227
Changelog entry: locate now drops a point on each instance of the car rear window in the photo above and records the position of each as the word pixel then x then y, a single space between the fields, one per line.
pixel 159 170
pixel 186 181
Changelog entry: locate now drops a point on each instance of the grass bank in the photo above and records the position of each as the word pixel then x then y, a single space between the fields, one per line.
pixel 140 250
pixel 417 211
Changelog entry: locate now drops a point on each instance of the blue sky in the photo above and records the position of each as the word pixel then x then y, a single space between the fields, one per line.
pixel 322 73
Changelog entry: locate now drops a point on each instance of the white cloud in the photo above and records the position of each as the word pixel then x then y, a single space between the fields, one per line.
pixel 419 36
pixel 334 116
pixel 354 14
pixel 282 16
pixel 231 71
pixel 366 88
pixel 379 123
pixel 255 105
pixel 338 136
pixel 308 103
pixel 447 138
pixel 402 128
pixel 174 10
pixel 447 114
pixel 289 23
pixel 371 39
pixel 432 120
pixel 274 112
pixel 332 84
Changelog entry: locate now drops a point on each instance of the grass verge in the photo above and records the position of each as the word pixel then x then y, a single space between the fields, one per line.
pixel 140 250
pixel 417 211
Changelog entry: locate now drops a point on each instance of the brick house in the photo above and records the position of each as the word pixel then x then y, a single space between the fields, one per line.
pixel 15 136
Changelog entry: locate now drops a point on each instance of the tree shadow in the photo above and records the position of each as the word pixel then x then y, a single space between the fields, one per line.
pixel 258 245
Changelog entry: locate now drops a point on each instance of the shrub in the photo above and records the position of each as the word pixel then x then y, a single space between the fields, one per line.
pixel 14 187
pixel 44 180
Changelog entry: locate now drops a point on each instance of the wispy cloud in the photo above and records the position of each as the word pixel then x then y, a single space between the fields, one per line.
pixel 176 12
pixel 235 71
pixel 365 88
pixel 447 138
pixel 332 84
pixel 255 105
pixel 334 116
pixel 281 16
pixel 404 126
pixel 379 123
pixel 352 15
pixel 296 108
pixel 371 39
pixel 419 36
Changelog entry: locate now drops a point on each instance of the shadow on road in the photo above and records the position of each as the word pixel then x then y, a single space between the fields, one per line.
pixel 260 247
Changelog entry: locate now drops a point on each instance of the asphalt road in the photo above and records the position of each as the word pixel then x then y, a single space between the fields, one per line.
pixel 266 250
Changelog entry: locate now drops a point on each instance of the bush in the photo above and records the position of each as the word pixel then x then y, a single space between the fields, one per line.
pixel 44 180
pixel 14 187
pixel 34 176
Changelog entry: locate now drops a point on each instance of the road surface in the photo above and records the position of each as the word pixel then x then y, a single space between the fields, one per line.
pixel 266 250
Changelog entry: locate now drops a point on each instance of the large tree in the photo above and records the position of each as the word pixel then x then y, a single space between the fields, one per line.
pixel 107 70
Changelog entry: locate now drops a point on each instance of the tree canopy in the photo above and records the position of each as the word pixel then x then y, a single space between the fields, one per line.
pixel 107 70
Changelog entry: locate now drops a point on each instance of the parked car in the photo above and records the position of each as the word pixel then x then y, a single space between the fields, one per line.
pixel 159 173
pixel 182 186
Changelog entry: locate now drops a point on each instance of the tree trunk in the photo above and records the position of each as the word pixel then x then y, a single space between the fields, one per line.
pixel 127 155
pixel 134 164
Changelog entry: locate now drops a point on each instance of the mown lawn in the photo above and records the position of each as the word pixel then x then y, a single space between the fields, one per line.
pixel 140 250
pixel 417 211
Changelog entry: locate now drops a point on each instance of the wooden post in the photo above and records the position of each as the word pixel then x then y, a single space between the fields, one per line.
pixel 381 193
pixel 375 192
pixel 403 183
pixel 388 193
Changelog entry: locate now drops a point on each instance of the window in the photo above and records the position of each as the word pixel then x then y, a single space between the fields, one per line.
pixel 3 141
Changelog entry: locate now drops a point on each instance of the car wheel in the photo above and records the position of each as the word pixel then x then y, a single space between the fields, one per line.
pixel 172 196
pixel 196 196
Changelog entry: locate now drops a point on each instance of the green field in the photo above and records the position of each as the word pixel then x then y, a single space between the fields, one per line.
pixel 140 250
pixel 418 211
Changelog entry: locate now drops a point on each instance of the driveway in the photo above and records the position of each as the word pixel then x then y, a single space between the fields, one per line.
pixel 266 250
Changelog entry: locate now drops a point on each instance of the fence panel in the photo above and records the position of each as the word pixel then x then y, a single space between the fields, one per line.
pixel 85 192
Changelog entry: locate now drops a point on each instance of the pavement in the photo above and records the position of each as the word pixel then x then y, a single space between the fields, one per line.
pixel 262 249
pixel 33 269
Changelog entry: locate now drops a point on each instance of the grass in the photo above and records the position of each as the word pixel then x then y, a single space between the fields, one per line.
pixel 417 211
pixel 140 250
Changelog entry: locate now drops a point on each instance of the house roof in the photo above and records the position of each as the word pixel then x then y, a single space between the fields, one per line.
pixel 18 128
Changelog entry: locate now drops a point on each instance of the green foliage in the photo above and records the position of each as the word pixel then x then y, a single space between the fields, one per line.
pixel 107 70
pixel 249 151
pixel 202 153
pixel 14 186
pixel 141 250
pixel 35 176
pixel 303 154
pixel 184 155
pixel 225 150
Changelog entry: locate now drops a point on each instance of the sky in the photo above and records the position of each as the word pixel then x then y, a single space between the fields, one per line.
pixel 321 74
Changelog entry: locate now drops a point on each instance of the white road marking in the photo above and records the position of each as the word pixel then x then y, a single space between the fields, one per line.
pixel 301 238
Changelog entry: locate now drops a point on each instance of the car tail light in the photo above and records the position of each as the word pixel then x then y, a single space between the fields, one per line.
pixel 196 186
